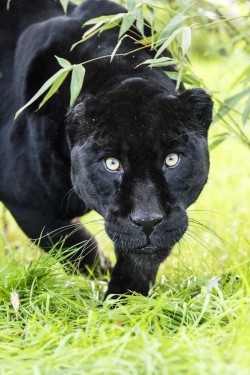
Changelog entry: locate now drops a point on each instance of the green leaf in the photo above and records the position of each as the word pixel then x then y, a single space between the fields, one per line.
pixel 186 40
pixel 42 90
pixel 88 34
pixel 230 103
pixel 179 77
pixel 172 75
pixel 158 63
pixel 58 82
pixel 167 42
pixel 107 26
pixel 117 46
pixel 102 23
pixel 149 16
pixel 64 4
pixel 127 22
pixel 63 62
pixel 218 140
pixel 93 30
pixel 171 28
pixel 244 74
pixel 236 98
pixel 106 19
pixel 131 4
pixel 246 112
pixel 139 20
pixel 103 19
pixel 77 78
pixel 154 4
pixel 191 79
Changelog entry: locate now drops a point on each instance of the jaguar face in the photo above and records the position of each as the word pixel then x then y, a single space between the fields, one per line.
pixel 140 158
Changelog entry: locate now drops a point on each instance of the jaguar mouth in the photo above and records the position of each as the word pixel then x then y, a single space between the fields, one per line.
pixel 148 249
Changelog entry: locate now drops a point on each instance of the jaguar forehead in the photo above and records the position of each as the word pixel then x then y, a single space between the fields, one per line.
pixel 126 119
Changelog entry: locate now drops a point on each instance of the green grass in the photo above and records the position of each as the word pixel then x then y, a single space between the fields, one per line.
pixel 195 321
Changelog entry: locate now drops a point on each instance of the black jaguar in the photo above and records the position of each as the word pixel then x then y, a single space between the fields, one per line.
pixel 133 148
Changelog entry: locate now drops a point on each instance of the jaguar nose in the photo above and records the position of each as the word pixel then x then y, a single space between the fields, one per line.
pixel 147 223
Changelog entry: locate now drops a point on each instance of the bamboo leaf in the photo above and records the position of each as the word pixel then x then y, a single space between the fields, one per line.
pixel 167 42
pixel 42 90
pixel 230 103
pixel 154 4
pixel 108 26
pixel 106 19
pixel 149 16
pixel 77 78
pixel 139 20
pixel 218 140
pixel 64 4
pixel 58 82
pixel 102 23
pixel 93 29
pixel 63 62
pixel 172 75
pixel 244 74
pixel 157 63
pixel 148 40
pixel 246 112
pixel 85 37
pixel 117 46
pixel 179 77
pixel 131 4
pixel 191 79
pixel 186 78
pixel 186 40
pixel 173 25
pixel 127 22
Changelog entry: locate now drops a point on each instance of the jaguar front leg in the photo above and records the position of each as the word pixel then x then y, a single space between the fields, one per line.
pixel 47 232
pixel 130 276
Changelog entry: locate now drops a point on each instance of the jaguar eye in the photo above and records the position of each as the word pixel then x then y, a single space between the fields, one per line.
pixel 112 164
pixel 172 160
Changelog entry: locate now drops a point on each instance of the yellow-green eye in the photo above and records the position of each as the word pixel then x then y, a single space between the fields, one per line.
pixel 112 164
pixel 172 160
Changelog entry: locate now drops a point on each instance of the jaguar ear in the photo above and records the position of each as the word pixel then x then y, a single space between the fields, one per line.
pixel 198 104
pixel 78 112
pixel 77 119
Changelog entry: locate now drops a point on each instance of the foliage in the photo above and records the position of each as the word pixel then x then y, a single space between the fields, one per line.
pixel 54 82
pixel 173 25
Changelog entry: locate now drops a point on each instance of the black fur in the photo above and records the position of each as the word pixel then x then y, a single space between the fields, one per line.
pixel 132 114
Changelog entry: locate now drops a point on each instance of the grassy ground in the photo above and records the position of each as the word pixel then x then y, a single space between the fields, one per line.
pixel 195 321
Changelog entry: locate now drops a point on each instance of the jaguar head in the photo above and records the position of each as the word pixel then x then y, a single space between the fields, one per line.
pixel 139 158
